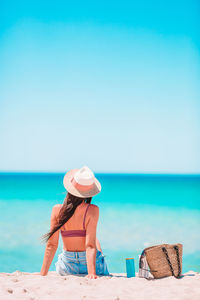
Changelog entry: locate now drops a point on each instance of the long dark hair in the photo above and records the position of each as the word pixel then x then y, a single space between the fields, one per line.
pixel 69 206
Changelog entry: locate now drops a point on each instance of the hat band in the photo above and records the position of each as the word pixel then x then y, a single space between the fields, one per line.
pixel 81 187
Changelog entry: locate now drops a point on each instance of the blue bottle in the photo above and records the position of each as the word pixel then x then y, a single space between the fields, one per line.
pixel 130 267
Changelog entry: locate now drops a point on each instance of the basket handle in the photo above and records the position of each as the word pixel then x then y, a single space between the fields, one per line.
pixel 169 262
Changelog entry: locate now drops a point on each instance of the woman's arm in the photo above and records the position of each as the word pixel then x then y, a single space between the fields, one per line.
pixel 90 243
pixel 51 246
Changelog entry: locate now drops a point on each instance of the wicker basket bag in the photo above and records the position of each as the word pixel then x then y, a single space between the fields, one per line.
pixel 165 260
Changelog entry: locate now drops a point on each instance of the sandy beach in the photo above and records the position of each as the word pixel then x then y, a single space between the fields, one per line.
pixel 32 286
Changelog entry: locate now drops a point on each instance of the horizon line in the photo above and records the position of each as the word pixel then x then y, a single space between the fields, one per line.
pixel 101 173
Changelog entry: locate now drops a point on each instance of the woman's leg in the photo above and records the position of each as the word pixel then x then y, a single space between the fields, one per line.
pixel 101 266
pixel 66 267
pixel 98 246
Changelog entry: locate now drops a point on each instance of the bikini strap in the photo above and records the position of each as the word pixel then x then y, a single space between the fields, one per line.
pixel 85 216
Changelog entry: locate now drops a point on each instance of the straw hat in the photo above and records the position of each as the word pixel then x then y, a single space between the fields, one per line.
pixel 81 183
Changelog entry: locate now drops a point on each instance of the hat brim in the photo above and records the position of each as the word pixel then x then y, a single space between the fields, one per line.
pixel 67 181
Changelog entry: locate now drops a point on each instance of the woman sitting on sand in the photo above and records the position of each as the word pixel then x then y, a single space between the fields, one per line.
pixel 76 219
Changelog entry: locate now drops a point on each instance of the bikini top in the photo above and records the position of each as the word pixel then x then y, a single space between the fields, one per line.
pixel 76 233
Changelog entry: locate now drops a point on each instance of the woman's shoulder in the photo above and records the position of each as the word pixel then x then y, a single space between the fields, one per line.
pixel 94 209
pixel 56 208
pixel 94 206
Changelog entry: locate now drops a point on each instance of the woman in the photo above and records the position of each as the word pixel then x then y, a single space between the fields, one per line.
pixel 76 219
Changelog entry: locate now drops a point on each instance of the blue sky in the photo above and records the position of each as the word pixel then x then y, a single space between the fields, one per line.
pixel 112 85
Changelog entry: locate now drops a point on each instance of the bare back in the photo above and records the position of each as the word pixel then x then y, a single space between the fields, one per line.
pixel 76 223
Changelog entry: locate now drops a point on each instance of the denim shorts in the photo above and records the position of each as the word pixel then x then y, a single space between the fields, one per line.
pixel 75 263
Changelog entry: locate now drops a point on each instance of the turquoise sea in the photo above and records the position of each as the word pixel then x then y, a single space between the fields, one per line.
pixel 136 211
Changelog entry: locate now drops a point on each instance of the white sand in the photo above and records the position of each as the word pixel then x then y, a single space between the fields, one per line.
pixel 32 286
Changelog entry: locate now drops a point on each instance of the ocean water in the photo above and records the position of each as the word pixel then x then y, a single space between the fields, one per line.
pixel 136 211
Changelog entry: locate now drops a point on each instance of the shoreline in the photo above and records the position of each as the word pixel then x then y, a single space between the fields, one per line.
pixel 32 286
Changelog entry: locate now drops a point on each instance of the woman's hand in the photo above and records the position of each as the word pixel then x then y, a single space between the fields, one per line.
pixel 43 274
pixel 92 276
